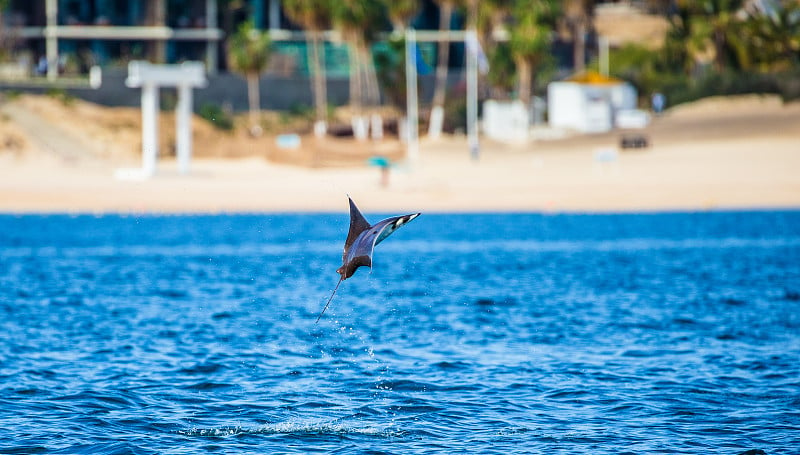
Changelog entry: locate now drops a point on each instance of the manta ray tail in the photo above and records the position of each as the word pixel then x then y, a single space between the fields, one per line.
pixel 329 299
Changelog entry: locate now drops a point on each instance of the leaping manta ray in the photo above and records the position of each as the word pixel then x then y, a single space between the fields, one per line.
pixel 361 240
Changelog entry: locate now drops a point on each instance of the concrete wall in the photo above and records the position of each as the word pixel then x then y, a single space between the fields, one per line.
pixel 277 92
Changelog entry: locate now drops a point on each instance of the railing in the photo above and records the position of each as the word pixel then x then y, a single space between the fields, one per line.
pixel 109 32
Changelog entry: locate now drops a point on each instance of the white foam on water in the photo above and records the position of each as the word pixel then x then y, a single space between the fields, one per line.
pixel 427 246
pixel 318 427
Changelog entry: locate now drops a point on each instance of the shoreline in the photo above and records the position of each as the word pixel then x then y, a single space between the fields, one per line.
pixel 734 154
pixel 303 212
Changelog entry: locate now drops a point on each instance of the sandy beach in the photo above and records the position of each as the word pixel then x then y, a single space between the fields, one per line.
pixel 721 153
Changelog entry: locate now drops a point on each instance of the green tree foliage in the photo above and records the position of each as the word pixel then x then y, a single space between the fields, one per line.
pixel 215 115
pixel 443 57
pixel 359 22
pixel 390 66
pixel 577 16
pixel 715 33
pixel 493 16
pixel 390 57
pixel 314 16
pixel 503 72
pixel 401 12
pixel 248 54
pixel 773 40
pixel 717 47
pixel 531 37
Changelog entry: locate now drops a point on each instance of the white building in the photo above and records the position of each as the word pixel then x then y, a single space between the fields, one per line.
pixel 588 102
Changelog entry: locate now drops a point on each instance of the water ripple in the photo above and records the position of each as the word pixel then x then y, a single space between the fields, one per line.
pixel 661 333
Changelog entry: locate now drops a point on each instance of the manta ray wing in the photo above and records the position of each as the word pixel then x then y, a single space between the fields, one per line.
pixel 390 225
pixel 358 224
pixel 360 251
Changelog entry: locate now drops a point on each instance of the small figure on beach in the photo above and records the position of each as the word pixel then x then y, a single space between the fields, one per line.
pixel 361 240
pixel 659 101
pixel 385 165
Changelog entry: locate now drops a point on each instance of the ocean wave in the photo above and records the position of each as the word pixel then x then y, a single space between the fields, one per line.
pixel 293 428
pixel 409 246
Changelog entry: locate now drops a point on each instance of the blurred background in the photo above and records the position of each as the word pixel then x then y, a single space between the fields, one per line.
pixel 283 75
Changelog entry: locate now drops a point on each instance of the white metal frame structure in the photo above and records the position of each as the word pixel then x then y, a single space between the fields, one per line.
pixel 151 78
pixel 52 33
pixel 470 39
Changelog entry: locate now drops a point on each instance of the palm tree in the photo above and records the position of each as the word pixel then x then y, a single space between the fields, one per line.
pixel 440 89
pixel 578 16
pixel 228 11
pixel 6 36
pixel 400 12
pixel 391 62
pixel 248 54
pixel 492 16
pixel 774 39
pixel 358 22
pixel 715 31
pixel 314 16
pixel 676 50
pixel 156 15
pixel 531 37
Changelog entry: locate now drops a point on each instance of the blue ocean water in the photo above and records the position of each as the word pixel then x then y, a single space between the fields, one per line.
pixel 494 333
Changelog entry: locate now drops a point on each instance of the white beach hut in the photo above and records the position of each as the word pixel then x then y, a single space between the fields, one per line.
pixel 588 102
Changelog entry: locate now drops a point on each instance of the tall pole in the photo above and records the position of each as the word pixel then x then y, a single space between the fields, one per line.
pixel 212 44
pixel 51 40
pixel 412 141
pixel 183 127
pixel 149 128
pixel 602 42
pixel 156 15
pixel 472 94
pixel 274 15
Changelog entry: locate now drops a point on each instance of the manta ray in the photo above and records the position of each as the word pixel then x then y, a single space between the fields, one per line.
pixel 361 240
